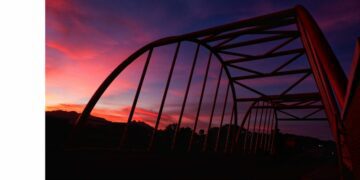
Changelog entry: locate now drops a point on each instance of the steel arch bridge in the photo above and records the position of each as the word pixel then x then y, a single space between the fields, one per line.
pixel 243 51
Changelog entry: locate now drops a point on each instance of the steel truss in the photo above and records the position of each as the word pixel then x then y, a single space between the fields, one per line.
pixel 256 131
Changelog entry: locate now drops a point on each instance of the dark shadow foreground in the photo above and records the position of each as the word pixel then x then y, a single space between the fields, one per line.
pixel 111 164
pixel 296 158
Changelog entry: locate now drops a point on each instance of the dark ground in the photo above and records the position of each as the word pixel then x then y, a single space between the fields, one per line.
pixel 110 164
pixel 296 158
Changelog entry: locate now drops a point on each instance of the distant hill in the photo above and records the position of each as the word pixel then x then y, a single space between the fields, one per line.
pixel 71 116
pixel 100 132
pixel 97 131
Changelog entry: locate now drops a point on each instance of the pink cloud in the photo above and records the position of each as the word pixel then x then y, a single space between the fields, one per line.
pixel 76 53
pixel 176 92
pixel 72 30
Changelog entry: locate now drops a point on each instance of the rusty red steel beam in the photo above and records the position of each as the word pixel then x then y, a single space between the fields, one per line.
pixel 327 58
pixel 329 77
pixel 351 115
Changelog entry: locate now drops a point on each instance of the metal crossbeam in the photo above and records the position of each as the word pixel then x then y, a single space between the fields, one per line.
pixel 310 119
pixel 257 41
pixel 264 56
pixel 254 30
pixel 282 73
pixel 293 107
pixel 284 98
pixel 223 41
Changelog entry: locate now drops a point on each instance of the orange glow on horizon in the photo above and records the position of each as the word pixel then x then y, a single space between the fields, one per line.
pixel 114 115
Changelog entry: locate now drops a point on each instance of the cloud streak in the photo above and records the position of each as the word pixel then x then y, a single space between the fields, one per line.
pixel 86 40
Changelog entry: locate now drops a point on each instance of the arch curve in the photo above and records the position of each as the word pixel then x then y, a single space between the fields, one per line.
pixel 223 41
pixel 116 72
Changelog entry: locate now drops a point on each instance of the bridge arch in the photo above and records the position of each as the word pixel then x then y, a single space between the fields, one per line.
pixel 148 49
pixel 222 42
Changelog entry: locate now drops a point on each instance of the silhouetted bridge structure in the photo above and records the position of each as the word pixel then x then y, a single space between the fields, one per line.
pixel 248 57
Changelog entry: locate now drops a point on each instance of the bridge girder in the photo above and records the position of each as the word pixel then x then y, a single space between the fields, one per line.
pixel 222 42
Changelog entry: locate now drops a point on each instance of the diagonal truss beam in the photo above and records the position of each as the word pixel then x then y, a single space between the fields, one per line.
pixel 283 98
pixel 282 73
pixel 264 56
pixel 257 41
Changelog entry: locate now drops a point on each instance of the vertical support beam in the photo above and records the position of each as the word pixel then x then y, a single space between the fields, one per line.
pixel 213 109
pixel 248 112
pixel 260 122
pixel 269 131
pixel 263 127
pixel 200 103
pixel 254 125
pixel 185 98
pixel 234 99
pixel 164 96
pixel 138 90
pixel 247 130
pixel 222 118
pixel 273 132
pixel 229 129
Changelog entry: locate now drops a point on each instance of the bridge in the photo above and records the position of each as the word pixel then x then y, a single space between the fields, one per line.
pixel 244 60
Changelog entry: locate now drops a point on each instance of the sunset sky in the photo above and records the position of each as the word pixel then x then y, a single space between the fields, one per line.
pixel 86 40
